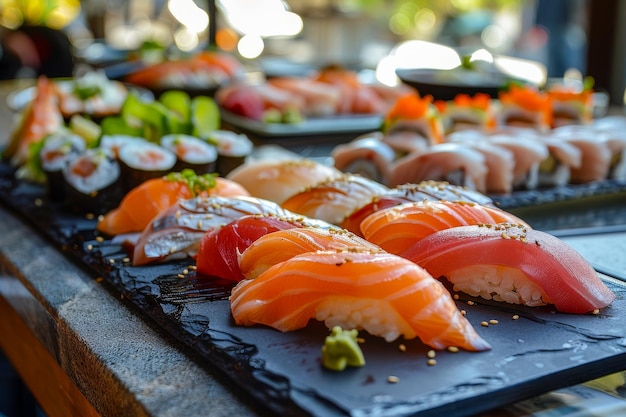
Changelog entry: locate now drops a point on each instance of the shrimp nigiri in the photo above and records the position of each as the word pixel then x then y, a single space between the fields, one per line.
pixel 514 264
pixel 384 294
pixel 397 228
pixel 279 246
pixel 148 199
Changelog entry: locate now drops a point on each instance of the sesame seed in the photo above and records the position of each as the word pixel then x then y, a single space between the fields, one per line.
pixel 111 261
pixel 38 202
pixel 180 276
pixel 402 347
pixel 515 317
pixel 484 324
pixel 455 296
pixel 99 279
pixel 596 311
pixel 126 260
pixel 431 362
pixel 89 247
pixel 463 312
pixel 470 303
pixel 393 379
pixel 90 216
pixel 185 271
pixel 360 340
pixel 99 239
pixel 453 349
pixel 493 321
pixel 431 354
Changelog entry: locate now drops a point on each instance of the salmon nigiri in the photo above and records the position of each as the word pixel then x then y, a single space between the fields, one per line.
pixel 397 228
pixel 384 294
pixel 279 246
pixel 514 264
pixel 148 199
pixel 220 249
pixel 405 193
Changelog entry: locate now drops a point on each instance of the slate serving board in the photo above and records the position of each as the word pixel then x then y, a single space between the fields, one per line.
pixel 541 351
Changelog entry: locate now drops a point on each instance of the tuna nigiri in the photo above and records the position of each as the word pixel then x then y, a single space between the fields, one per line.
pixel 397 228
pixel 148 199
pixel 279 246
pixel 178 230
pixel 333 200
pixel 383 294
pixel 220 249
pixel 513 264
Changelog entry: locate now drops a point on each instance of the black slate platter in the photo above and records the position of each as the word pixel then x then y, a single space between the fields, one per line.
pixel 541 351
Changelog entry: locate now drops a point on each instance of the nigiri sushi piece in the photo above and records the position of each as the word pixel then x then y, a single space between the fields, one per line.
pixel 366 155
pixel 514 264
pixel 425 190
pixel 396 229
pixel 528 153
pixel 144 202
pixel 219 250
pixel 277 180
pixel 596 154
pixel 38 119
pixel 525 106
pixel 320 99
pixel 334 199
pixel 177 231
pixel 451 162
pixel 282 245
pixel 415 114
pixel 383 294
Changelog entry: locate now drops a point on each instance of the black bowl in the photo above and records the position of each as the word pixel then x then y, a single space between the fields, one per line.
pixel 438 84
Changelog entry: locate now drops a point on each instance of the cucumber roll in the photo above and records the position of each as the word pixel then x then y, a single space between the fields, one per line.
pixel 93 182
pixel 56 151
pixel 232 149
pixel 141 161
pixel 191 153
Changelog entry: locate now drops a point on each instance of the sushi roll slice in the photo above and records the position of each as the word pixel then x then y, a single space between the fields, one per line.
pixel 570 106
pixel 451 162
pixel 93 182
pixel 415 114
pixel 191 153
pixel 114 143
pixel 525 106
pixel 556 170
pixel 141 161
pixel 232 149
pixel 366 155
pixel 467 112
pixel 528 153
pixel 596 154
pixel 57 151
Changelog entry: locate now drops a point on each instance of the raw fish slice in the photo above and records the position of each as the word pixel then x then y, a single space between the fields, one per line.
pixel 596 154
pixel 219 249
pixel 333 200
pixel 425 190
pixel 397 228
pixel 178 230
pixel 512 263
pixel 279 246
pixel 451 162
pixel 500 163
pixel 528 153
pixel 383 294
pixel 367 156
pixel 277 180
pixel 144 202
pixel 320 99
pixel 556 170
pixel 40 118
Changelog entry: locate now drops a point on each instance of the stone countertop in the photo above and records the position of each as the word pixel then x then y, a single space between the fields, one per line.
pixel 121 361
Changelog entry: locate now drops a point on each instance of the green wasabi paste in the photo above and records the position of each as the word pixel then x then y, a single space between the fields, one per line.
pixel 341 349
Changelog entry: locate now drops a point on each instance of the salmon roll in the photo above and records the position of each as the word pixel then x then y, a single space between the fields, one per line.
pixel 191 153
pixel 232 149
pixel 142 161
pixel 57 150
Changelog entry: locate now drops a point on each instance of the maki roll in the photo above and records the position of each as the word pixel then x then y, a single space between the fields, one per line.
pixel 56 152
pixel 232 149
pixel 93 182
pixel 141 161
pixel 191 153
pixel 114 143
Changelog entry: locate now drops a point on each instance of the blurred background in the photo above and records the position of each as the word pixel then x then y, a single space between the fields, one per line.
pixel 291 37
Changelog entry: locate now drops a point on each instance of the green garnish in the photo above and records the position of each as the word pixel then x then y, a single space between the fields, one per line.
pixel 466 62
pixel 85 92
pixel 341 349
pixel 588 83
pixel 196 183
